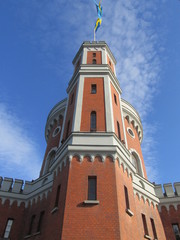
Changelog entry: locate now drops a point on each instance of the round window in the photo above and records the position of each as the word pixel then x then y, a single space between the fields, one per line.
pixel 131 133
pixel 56 131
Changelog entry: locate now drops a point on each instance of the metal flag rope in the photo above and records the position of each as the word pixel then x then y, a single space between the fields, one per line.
pixel 99 20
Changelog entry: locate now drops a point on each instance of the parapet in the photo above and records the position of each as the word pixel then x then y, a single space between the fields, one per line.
pixel 17 190
pixel 170 195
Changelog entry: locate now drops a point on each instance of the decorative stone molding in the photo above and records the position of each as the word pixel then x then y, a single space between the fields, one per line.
pixel 30 192
pixel 133 117
pixel 54 115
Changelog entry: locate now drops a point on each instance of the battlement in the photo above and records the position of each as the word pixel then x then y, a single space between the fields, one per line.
pixel 17 190
pixel 170 196
pixel 169 191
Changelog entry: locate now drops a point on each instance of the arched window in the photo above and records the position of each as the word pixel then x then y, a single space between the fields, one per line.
pixel 118 129
pixel 137 164
pixel 93 121
pixel 94 61
pixel 50 159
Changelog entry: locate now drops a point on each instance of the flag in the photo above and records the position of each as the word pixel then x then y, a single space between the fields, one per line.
pixel 99 12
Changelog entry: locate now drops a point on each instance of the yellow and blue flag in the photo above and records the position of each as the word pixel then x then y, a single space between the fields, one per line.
pixel 99 12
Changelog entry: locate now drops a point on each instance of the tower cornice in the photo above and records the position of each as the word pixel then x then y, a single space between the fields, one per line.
pixel 95 44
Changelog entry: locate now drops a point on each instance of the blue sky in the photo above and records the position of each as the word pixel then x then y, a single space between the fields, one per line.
pixel 38 40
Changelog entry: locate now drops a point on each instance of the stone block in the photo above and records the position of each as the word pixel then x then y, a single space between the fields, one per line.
pixel 168 190
pixel 158 191
pixel 177 188
pixel 17 186
pixel 27 187
pixel 6 184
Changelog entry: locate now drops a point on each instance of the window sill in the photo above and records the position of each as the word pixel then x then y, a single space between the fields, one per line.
pixel 91 202
pixel 34 234
pixel 28 236
pixel 147 236
pixel 129 212
pixel 54 210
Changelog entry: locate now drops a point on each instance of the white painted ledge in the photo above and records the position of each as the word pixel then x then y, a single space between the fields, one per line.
pixel 129 212
pixel 91 202
pixel 147 236
pixel 54 210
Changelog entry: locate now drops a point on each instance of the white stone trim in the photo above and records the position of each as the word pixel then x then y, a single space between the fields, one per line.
pixel 64 121
pixel 78 105
pixel 31 191
pixel 84 56
pixel 108 105
pixel 133 116
pixel 132 136
pixel 122 119
pixel 131 150
pixel 47 160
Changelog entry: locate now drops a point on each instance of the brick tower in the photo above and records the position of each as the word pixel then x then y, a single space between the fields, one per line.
pixel 93 183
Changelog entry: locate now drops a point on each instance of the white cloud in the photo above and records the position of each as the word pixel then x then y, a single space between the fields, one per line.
pixel 18 152
pixel 127 27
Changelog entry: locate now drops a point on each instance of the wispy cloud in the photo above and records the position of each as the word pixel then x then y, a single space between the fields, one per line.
pixel 18 153
pixel 127 27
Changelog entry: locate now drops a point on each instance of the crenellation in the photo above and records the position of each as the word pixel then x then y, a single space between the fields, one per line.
pixel 159 191
pixel 6 184
pixel 177 188
pixel 17 186
pixel 169 191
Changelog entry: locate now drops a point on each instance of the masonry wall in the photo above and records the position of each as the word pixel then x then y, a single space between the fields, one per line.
pixel 170 216
pixel 83 221
pixel 14 212
pixel 93 102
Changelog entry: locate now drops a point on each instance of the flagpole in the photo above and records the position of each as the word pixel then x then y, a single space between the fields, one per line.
pixel 94 35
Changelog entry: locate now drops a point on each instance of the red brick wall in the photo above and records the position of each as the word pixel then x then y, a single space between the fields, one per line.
pixel 70 112
pixel 149 212
pixel 52 222
pixel 117 112
pixel 128 224
pixel 15 212
pixel 91 221
pixel 90 57
pixel 110 63
pixel 93 102
pixel 168 218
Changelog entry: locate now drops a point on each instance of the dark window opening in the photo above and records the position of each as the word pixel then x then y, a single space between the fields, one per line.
pixel 31 224
pixel 40 221
pixel 67 130
pixel 153 228
pixel 8 228
pixel 126 197
pixel 110 63
pixel 94 54
pixel 115 99
pixel 72 98
pixel 176 231
pixel 94 61
pixel 118 129
pixel 93 121
pixel 145 225
pixel 92 182
pixel 57 196
pixel 93 88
